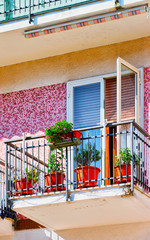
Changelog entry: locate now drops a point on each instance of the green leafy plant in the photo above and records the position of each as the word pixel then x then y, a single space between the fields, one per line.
pixel 88 155
pixel 32 175
pixel 56 133
pixel 54 164
pixel 124 157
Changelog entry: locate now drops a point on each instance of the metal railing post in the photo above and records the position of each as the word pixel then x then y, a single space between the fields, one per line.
pixel 131 134
pixel 66 174
pixel 6 175
pixel 30 18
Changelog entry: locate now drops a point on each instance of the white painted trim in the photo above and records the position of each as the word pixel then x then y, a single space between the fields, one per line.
pixel 81 82
pixel 106 77
pixel 121 62
pixel 91 193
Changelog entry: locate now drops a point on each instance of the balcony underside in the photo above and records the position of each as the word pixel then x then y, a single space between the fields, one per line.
pixel 6 228
pixel 99 207
pixel 19 47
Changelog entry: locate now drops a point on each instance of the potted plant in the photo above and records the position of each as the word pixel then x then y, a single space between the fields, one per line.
pixel 87 175
pixel 62 134
pixel 26 184
pixel 123 165
pixel 55 177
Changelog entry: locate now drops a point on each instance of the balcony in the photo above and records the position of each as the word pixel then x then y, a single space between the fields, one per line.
pixel 15 9
pixel 76 25
pixel 55 200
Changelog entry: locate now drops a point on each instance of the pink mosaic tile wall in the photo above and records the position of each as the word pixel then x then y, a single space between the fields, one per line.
pixel 147 99
pixel 31 111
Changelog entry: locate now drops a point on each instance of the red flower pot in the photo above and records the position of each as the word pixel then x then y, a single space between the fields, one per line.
pixel 125 170
pixel 89 174
pixel 73 134
pixel 54 179
pixel 24 185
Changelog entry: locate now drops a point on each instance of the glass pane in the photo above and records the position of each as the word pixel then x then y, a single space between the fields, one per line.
pixel 127 94
pixel 87 105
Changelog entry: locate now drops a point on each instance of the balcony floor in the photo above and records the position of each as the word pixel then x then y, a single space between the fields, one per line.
pixel 105 206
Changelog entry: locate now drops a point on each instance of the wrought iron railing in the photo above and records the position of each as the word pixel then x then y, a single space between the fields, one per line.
pixel 13 9
pixel 91 164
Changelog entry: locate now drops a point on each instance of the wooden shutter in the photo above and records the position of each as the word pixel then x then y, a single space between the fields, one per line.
pixel 127 98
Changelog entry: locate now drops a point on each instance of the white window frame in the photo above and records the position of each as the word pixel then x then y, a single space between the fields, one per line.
pixel 83 82
pixel 102 79
pixel 122 62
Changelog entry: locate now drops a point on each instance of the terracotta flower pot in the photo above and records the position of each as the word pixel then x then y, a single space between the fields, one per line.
pixel 73 134
pixel 24 185
pixel 90 176
pixel 125 171
pixel 55 179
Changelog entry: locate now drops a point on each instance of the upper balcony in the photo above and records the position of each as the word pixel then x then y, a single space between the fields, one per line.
pixel 41 29
pixel 81 179
pixel 18 9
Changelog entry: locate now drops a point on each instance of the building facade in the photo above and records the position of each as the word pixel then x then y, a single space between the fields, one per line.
pixel 56 58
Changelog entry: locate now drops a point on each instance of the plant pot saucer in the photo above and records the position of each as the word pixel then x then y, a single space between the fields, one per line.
pixel 54 189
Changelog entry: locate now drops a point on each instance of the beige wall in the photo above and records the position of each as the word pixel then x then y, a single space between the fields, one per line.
pixel 75 65
pixel 134 231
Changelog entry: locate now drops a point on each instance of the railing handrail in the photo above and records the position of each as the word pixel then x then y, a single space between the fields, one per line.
pixel 139 128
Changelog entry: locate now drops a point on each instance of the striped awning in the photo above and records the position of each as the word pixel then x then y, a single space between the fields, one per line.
pixel 87 21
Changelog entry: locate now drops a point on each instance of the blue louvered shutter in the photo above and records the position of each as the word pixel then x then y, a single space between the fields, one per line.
pixel 87 105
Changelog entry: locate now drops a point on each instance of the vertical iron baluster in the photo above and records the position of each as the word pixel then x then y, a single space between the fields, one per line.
pixel 132 186
pixel 44 165
pixel 61 168
pixel 10 178
pixel 14 7
pixel 114 179
pixel 6 174
pixel 101 157
pixel 32 163
pixel 25 5
pixel 76 167
pixel 56 171
pixel 15 170
pixel 19 6
pixel 89 183
pixel 66 174
pixel 82 162
pixel 107 139
pixel 70 167
pixel 21 166
pixel 50 171
pixel 95 157
pixel 26 153
pixel 126 150
pixel 38 190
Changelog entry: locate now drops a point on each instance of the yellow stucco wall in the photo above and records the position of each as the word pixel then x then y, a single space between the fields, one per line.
pixel 86 63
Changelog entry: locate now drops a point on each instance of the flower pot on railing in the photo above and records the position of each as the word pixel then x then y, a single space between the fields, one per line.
pixel 26 187
pixel 87 176
pixel 55 182
pixel 62 135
